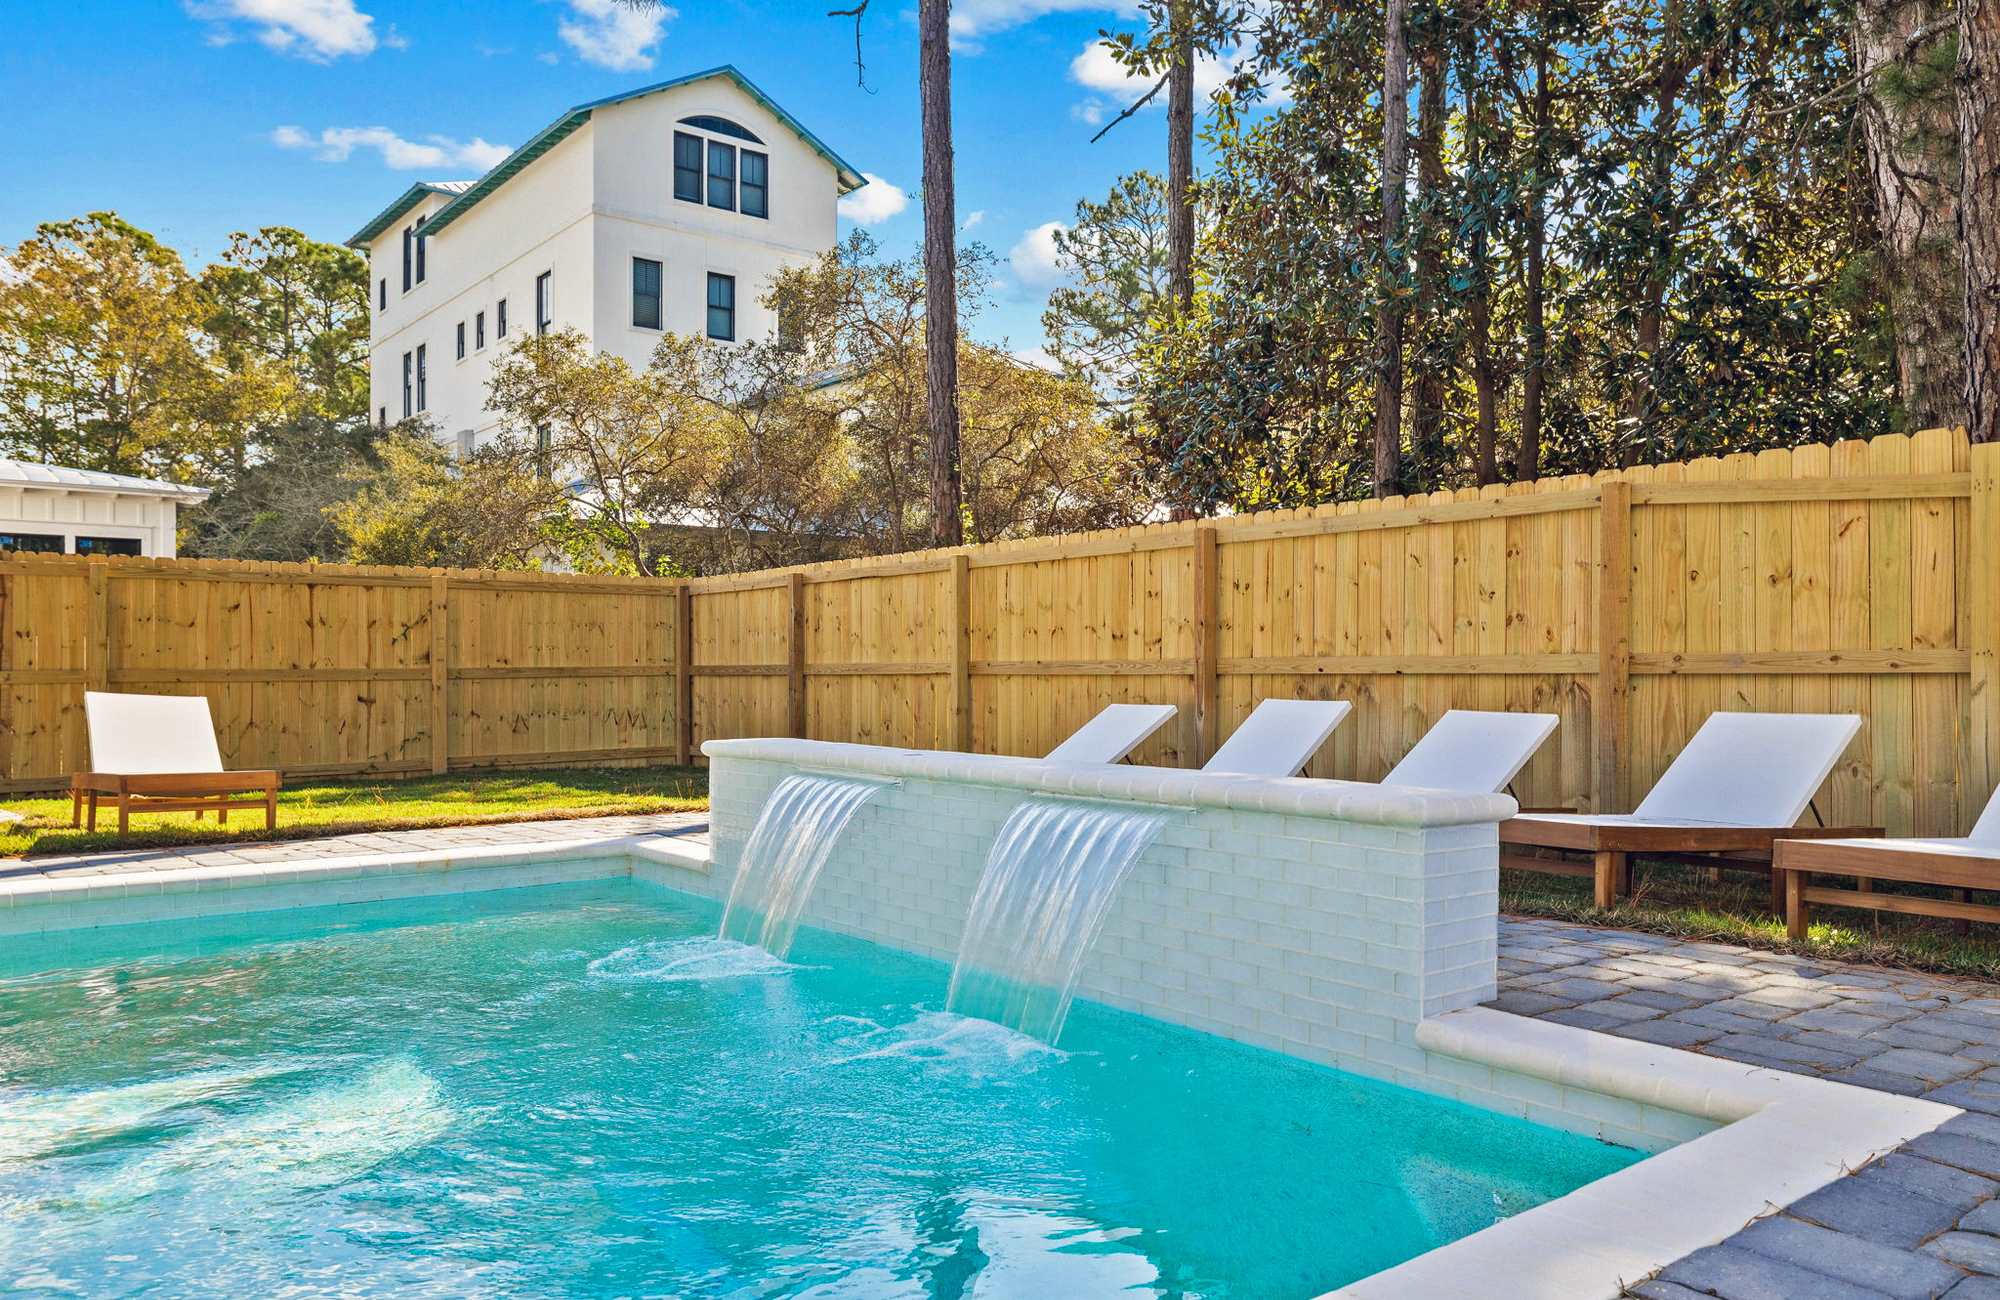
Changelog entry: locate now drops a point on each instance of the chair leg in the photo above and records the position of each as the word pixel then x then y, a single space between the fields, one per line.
pixel 1608 869
pixel 271 809
pixel 222 811
pixel 75 807
pixel 1797 910
pixel 92 824
pixel 124 814
pixel 1779 901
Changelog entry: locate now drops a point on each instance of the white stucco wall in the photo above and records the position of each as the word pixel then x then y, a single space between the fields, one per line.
pixel 584 210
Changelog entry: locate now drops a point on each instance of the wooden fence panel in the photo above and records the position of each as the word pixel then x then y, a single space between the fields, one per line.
pixel 1862 577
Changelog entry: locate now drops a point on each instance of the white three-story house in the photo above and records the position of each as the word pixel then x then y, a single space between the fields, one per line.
pixel 667 208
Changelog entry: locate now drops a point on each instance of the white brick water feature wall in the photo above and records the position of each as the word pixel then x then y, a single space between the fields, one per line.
pixel 1323 919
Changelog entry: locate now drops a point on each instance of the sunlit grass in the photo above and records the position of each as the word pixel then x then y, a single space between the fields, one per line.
pixel 328 807
pixel 1684 902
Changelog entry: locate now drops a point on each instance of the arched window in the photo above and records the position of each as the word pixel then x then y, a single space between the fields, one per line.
pixel 721 126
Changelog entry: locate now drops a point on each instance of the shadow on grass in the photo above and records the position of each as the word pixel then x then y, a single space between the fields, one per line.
pixel 359 806
pixel 1684 902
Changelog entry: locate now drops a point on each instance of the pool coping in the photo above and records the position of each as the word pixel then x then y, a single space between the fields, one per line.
pixel 1781 1136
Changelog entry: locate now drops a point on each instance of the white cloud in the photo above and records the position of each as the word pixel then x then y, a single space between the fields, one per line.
pixel 320 30
pixel 874 202
pixel 621 37
pixel 1038 358
pixel 339 143
pixel 1116 87
pixel 972 220
pixel 972 19
pixel 1035 260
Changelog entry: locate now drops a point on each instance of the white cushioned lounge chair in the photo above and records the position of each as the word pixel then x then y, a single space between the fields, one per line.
pixel 157 753
pixel 1279 737
pixel 1955 862
pixel 1470 750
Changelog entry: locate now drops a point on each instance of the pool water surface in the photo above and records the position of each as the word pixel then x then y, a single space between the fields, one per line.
pixel 577 1091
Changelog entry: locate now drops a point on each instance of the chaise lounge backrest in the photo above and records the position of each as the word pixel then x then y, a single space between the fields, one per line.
pixel 1751 769
pixel 1473 751
pixel 1987 829
pixel 1116 731
pixel 135 735
pixel 1279 737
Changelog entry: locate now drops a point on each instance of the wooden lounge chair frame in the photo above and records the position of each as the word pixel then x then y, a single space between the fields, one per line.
pixel 158 754
pixel 1960 864
pixel 1610 847
pixel 196 792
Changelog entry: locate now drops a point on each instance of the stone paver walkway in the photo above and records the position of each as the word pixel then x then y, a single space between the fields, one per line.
pixel 1923 1221
pixel 342 846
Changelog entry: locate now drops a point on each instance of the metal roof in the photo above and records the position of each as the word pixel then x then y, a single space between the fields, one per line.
pixel 28 473
pixel 410 198
pixel 560 129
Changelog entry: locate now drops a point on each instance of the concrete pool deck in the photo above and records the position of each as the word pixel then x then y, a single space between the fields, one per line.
pixel 1923 1221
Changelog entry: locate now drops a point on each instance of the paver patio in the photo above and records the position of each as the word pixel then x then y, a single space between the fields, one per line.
pixel 1923 1221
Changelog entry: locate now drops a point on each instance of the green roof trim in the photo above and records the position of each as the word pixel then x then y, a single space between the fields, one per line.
pixel 388 216
pixel 560 129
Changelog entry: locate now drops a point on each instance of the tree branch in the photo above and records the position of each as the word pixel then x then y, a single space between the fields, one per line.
pixel 1138 104
pixel 860 69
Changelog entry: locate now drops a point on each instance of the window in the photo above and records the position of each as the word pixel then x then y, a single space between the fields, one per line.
pixel 382 295
pixel 721 306
pixel 46 542
pixel 461 340
pixel 500 319
pixel 756 190
pixel 408 408
pixel 721 175
pixel 107 546
pixel 409 244
pixel 687 167
pixel 422 241
pixel 720 126
pixel 645 293
pixel 542 287
pixel 478 330
pixel 423 380
pixel 382 416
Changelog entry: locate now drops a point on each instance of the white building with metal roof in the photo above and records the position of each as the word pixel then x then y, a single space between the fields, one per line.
pixel 667 208
pixel 64 511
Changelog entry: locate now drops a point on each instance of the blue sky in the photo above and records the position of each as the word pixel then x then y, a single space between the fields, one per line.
pixel 199 118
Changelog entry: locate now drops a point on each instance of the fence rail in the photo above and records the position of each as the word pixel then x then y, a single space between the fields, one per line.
pixel 1863 577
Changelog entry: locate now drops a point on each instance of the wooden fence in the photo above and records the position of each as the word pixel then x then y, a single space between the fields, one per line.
pixel 1863 577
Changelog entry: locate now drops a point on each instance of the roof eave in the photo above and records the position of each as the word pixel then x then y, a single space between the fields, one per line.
pixel 382 220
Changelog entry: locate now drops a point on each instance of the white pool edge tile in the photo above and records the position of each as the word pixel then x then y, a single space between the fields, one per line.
pixel 1782 1136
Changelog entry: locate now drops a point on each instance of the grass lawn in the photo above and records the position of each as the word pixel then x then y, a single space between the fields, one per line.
pixel 345 807
pixel 1682 901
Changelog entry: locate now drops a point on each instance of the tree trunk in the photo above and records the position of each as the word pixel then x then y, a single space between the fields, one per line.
pixel 1528 455
pixel 1427 415
pixel 1979 211
pixel 1636 431
pixel 940 270
pixel 1908 133
pixel 1180 159
pixel 1485 382
pixel 1388 307
pixel 1180 190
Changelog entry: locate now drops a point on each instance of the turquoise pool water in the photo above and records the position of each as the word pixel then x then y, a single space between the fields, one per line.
pixel 575 1092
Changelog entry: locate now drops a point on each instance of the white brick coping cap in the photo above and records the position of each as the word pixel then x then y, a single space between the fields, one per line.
pixel 1347 801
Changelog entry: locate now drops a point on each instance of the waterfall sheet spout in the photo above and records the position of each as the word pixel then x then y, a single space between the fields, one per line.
pixel 794 836
pixel 1048 883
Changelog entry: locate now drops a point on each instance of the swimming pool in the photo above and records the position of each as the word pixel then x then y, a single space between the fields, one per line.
pixel 577 1091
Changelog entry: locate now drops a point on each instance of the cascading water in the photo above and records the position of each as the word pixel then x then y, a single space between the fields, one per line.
pixel 1047 886
pixel 793 837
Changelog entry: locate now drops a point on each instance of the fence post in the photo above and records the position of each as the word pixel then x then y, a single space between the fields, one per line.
pixel 1207 708
pixel 961 653
pixel 796 693
pixel 683 675
pixel 97 656
pixel 1612 709
pixel 440 674
pixel 1983 616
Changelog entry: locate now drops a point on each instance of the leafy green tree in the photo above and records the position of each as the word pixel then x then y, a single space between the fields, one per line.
pixel 101 357
pixel 418 504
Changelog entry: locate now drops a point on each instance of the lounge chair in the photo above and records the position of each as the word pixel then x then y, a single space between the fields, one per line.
pixel 1741 784
pixel 1469 750
pixel 1116 731
pixel 1959 864
pixel 157 753
pixel 1279 737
